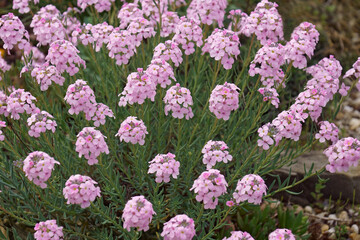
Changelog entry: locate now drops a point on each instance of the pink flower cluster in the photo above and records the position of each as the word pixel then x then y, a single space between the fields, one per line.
pixel 223 100
pixel 45 74
pixel 209 186
pixel 69 21
pixel 13 32
pixel 343 154
pixel 168 51
pixel 20 101
pixel 3 106
pixel 80 190
pixel 164 166
pixel 179 227
pixel 355 72
pixel 91 143
pixel 128 13
pixel 271 95
pixel 23 5
pixel 282 233
pixel 100 5
pixel 47 26
pixel 250 188
pixel 239 235
pixel 160 72
pixel 188 33
pixel 151 10
pixel 48 230
pixel 98 114
pixel 267 63
pixel 38 167
pixel 178 100
pixel 121 46
pixel 132 130
pixel 215 151
pixel 64 56
pixel 82 34
pixel 2 125
pixel 207 11
pixel 265 22
pixel 141 28
pixel 80 97
pixel 40 122
pixel 101 34
pixel 139 87
pixel 223 45
pixel 4 67
pixel 302 43
pixel 138 213
pixel 238 20
pixel 328 131
pixel 168 24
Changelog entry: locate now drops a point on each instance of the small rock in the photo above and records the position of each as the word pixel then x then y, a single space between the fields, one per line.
pixel 354 229
pixel 332 217
pixel 321 215
pixel 344 216
pixel 332 236
pixel 348 109
pixel 324 228
pixel 355 102
pixel 354 236
pixel 354 123
pixel 298 209
pixel 308 209
pixel 351 212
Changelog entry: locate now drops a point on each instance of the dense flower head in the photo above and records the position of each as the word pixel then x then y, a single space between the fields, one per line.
pixel 152 11
pixel 207 11
pixel 91 143
pixel 82 35
pixel 215 151
pixel 208 187
pixel 141 28
pixel 100 5
pixel 4 67
pixel 80 97
pixel 168 24
pixel 187 34
pixel 69 20
pixel 164 166
pixel 223 45
pixel 45 74
pixel 13 32
pixel 98 114
pixel 178 100
pixel 326 66
pixel 2 125
pixel 328 131
pixel 121 46
pixel 224 99
pixel 177 3
pixel 354 72
pixel 168 51
pixel 302 43
pixel 160 72
pixel 343 154
pixel 132 130
pixel 38 167
pixel 139 87
pixel 40 122
pixel 282 234
pixel 271 95
pixel 64 56
pixel 138 213
pixel 239 235
pixel 238 19
pixel 179 227
pixel 101 34
pixel 23 5
pixel 80 190
pixel 47 26
pixel 265 22
pixel 20 101
pixel 128 13
pixel 48 230
pixel 250 188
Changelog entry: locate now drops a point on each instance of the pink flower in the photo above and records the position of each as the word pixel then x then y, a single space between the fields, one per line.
pixel 138 213
pixel 328 131
pixel 179 227
pixel 215 151
pixel 45 74
pixel 81 98
pixel 270 94
pixel 2 125
pixel 4 67
pixel 208 187
pixel 141 28
pixel 282 234
pixel 20 101
pixel 121 46
pixel 100 5
pixel 38 167
pixel 164 166
pixel 40 122
pixel 223 100
pixel 169 22
pixel 128 13
pixel 160 72
pixel 98 114
pixel 132 130
pixel 168 51
pixel 207 11
pixel 90 144
pixel 80 190
pixel 23 5
pixel 239 235
pixel 250 188
pixel 179 101
pixel 48 230
pixel 354 72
